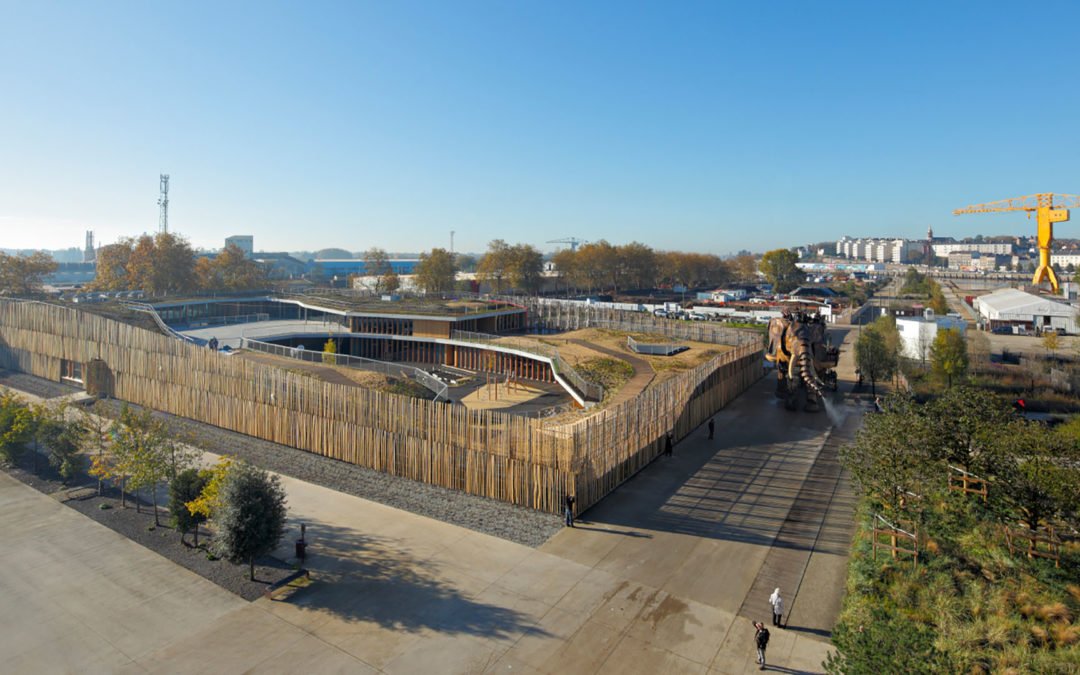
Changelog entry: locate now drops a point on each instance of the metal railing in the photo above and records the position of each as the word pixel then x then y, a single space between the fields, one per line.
pixel 166 328
pixel 562 368
pixel 399 370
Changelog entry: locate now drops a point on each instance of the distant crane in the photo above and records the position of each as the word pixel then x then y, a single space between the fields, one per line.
pixel 574 242
pixel 1049 208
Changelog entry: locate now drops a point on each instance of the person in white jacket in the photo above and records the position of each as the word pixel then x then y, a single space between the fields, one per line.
pixel 777 607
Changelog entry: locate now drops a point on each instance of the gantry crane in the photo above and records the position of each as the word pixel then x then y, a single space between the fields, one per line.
pixel 1049 208
pixel 573 241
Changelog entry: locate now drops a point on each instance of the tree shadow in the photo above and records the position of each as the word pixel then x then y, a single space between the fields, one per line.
pixel 366 578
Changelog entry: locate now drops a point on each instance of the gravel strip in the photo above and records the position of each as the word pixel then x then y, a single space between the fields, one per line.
pixel 499 519
pixel 35 385
pixel 140 528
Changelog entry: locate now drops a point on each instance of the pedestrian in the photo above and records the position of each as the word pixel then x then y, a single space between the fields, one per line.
pixel 712 426
pixel 777 604
pixel 761 640
pixel 569 509
pixel 667 444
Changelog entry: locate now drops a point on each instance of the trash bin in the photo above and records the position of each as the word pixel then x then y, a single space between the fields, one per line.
pixel 301 549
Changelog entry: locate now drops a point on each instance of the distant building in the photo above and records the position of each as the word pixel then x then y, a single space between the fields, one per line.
pixel 917 333
pixel 879 250
pixel 282 265
pixel 1065 258
pixel 975 261
pixel 995 248
pixel 244 242
pixel 344 267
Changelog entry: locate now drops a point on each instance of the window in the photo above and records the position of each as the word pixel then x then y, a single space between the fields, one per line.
pixel 71 371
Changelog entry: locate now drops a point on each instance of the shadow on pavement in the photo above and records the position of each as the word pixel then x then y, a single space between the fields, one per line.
pixel 737 487
pixel 364 578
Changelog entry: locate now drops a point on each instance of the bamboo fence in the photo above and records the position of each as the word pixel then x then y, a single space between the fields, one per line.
pixel 517 459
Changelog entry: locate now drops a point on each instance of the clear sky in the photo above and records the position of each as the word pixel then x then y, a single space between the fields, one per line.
pixel 711 126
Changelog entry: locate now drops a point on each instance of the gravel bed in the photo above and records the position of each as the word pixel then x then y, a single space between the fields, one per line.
pixel 499 519
pixel 140 528
pixel 36 385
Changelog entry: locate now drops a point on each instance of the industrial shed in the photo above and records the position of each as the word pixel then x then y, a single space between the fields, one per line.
pixel 1012 307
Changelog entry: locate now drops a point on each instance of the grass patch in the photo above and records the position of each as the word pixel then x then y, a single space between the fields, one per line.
pixel 609 373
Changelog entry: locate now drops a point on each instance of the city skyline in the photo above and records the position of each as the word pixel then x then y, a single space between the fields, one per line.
pixel 687 128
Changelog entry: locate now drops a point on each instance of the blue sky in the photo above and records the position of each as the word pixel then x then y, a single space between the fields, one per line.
pixel 708 126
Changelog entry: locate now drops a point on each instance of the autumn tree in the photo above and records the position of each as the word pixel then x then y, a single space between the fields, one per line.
pixel 436 271
pixel 112 267
pixel 16 428
pixel 566 266
pixel 948 355
pixel 526 267
pixel 95 439
pixel 160 264
pixel 639 265
pixel 330 352
pixel 494 267
pixel 779 268
pixel 24 275
pixel 231 270
pixel 250 518
pixel 744 267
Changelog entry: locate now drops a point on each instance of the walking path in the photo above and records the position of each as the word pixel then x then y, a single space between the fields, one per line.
pixel 643 371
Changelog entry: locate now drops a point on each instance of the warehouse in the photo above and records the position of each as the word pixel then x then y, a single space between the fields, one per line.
pixel 1010 307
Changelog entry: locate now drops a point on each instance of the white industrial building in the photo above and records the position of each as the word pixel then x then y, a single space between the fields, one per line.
pixel 1012 307
pixel 917 333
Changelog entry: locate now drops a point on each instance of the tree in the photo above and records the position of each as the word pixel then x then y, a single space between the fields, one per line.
pixel 143 455
pixel 1044 479
pixel 436 271
pixel 744 267
pixel 948 355
pixel 16 428
pixel 494 266
pixel 873 358
pixel 231 270
pixel 891 456
pixel 209 500
pixel 565 262
pixel 186 488
pixel 639 264
pixel 330 352
pixel 250 520
pixel 23 275
pixel 967 424
pixel 525 269
pixel 95 429
pixel 938 303
pixel 1051 342
pixel 332 254
pixel 779 268
pixel 377 264
pixel 62 440
pixel 390 281
pixel 112 267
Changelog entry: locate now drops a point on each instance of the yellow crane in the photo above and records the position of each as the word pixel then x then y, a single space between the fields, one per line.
pixel 1049 208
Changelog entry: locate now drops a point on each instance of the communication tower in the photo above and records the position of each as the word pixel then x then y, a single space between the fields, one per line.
pixel 163 203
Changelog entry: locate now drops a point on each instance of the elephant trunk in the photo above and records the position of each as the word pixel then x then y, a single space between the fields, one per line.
pixel 807 371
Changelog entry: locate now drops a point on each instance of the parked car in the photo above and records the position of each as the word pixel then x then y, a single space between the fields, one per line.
pixel 662 313
pixel 1002 330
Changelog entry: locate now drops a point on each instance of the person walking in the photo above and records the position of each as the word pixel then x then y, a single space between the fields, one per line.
pixel 761 641
pixel 667 444
pixel 777 604
pixel 569 509
pixel 712 426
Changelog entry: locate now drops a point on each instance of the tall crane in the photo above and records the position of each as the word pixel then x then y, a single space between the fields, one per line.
pixel 574 242
pixel 1049 208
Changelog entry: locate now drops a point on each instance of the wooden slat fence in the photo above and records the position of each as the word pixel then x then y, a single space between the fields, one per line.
pixel 512 458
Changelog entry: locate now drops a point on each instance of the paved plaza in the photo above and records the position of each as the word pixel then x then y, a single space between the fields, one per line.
pixel 664 576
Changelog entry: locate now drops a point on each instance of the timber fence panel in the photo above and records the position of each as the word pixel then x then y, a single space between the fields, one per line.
pixel 525 461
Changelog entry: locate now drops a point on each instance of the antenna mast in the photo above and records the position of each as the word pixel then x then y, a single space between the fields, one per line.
pixel 163 202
